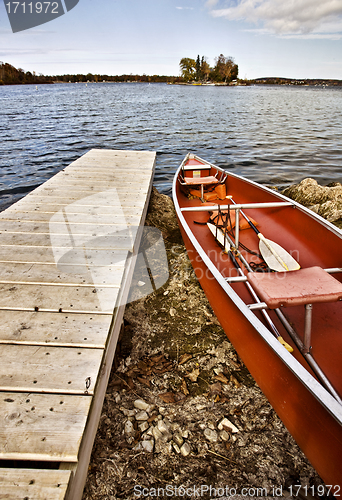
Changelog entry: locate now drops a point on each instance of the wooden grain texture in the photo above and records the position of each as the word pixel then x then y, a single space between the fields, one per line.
pixel 49 369
pixel 33 484
pixel 61 298
pixel 42 427
pixel 74 330
pixel 67 255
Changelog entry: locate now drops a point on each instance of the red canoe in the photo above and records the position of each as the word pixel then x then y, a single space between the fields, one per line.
pixel 291 304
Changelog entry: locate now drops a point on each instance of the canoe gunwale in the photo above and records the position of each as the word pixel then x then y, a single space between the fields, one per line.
pixel 311 384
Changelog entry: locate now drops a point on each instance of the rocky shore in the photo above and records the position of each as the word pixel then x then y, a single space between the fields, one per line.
pixel 182 413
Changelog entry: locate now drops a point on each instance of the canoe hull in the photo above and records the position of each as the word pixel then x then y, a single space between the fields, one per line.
pixel 316 429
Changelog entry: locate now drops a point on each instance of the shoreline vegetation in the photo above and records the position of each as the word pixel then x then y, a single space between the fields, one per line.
pixel 9 75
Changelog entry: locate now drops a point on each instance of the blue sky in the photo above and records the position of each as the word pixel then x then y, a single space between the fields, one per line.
pixel 289 38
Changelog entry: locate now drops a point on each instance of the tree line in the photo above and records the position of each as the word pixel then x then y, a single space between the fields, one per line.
pixel 199 70
pixel 9 75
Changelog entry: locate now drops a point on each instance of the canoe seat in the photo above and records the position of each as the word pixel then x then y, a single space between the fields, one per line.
pixel 294 288
pixel 197 181
pixel 203 182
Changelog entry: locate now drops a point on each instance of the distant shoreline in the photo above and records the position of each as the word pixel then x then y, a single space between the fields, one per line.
pixel 9 75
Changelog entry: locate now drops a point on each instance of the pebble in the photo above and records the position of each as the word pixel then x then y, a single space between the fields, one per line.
pixel 143 426
pixel 185 449
pixel 148 445
pixel 161 424
pixel 210 435
pixel 177 438
pixel 141 404
pixel 227 423
pixel 142 415
pixel 127 413
pixel 129 429
pixel 224 435
pixel 176 447
pixel 156 433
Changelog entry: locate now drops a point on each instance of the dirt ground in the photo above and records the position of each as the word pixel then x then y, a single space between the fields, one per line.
pixel 182 414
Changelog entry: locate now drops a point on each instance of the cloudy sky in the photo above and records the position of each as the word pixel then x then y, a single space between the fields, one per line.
pixel 289 38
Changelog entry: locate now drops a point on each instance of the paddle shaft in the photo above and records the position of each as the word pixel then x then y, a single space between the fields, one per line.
pixel 257 300
pixel 263 239
pixel 290 330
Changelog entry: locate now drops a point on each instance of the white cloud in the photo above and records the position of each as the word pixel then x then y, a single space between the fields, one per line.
pixel 285 17
pixel 211 3
pixel 185 8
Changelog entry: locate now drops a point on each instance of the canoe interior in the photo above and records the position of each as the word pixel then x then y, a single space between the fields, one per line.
pixel 312 242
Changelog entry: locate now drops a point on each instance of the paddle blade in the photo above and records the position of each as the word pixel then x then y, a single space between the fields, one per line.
pixel 276 257
pixel 219 236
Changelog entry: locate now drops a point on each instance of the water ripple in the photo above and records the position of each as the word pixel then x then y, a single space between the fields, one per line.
pixel 273 135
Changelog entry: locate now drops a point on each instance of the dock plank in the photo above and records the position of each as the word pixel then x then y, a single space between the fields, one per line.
pixel 58 298
pixel 74 330
pixel 78 274
pixel 56 370
pixel 42 427
pixel 34 484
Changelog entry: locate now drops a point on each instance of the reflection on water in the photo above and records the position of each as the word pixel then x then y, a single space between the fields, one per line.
pixel 273 135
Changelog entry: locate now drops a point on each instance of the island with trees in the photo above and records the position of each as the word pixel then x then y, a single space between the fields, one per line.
pixel 225 70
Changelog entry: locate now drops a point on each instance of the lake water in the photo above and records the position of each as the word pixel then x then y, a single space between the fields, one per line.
pixel 274 135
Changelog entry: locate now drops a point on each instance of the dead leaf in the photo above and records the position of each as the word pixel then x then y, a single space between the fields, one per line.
pixel 221 378
pixel 193 376
pixel 142 366
pixel 235 381
pixel 144 381
pixel 130 383
pixel 167 397
pixel 157 358
pixel 179 396
pixel 184 358
pixel 184 387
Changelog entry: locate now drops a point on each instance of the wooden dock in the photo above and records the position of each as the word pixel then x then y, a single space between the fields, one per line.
pixel 67 254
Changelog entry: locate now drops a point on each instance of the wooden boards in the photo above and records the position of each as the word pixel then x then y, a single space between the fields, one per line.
pixel 67 254
pixel 34 484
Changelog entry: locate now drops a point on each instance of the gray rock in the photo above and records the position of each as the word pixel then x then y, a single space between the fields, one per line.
pixel 127 413
pixel 140 404
pixel 226 424
pixel 224 435
pixel 143 426
pixel 148 445
pixel 210 435
pixel 177 438
pixel 175 447
pixel 156 433
pixel 142 415
pixel 165 429
pixel 185 449
pixel 129 429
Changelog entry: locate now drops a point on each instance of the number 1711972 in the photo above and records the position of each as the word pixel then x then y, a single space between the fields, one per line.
pixel 328 489
pixel 32 7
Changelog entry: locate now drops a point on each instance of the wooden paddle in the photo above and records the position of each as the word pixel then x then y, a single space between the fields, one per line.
pixel 275 256
pixel 223 240
pixel 294 336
